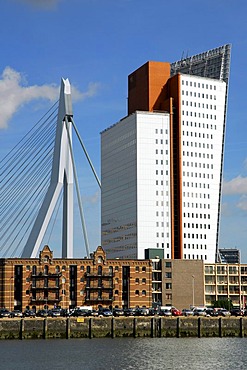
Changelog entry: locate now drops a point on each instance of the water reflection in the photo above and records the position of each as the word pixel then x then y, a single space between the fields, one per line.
pixel 125 354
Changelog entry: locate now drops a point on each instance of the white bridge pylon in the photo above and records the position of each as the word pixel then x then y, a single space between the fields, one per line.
pixel 62 176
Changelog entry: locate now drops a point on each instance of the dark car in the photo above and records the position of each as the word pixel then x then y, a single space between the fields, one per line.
pixel 29 313
pixel 223 312
pixel 4 313
pixel 106 312
pixel 129 312
pixel 55 312
pixel 141 311
pixel 16 313
pixel 118 312
pixel 236 312
pixel 80 313
pixel 42 313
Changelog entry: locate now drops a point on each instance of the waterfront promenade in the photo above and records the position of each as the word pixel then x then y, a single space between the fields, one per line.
pixel 153 327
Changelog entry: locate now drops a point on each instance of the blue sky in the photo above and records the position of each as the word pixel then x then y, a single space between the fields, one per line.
pixel 97 44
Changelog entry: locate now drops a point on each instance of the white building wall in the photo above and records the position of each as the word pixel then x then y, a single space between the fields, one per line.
pixel 135 185
pixel 202 107
pixel 153 185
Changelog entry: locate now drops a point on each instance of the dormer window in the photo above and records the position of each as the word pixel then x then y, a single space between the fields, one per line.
pixel 100 259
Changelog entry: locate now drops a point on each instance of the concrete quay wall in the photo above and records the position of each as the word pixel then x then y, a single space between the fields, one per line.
pixel 153 327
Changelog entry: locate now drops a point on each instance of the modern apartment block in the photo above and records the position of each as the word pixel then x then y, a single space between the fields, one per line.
pixel 161 165
pixel 226 282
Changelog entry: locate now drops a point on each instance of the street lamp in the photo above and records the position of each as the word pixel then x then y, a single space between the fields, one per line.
pixel 193 290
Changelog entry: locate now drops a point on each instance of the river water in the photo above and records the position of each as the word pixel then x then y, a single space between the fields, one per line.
pixel 125 354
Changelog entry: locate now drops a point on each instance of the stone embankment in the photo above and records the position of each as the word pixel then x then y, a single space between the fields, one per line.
pixel 154 327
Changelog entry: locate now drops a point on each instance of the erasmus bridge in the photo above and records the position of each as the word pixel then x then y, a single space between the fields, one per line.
pixel 37 175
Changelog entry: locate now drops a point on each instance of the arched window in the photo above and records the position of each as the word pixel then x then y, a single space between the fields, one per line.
pixel 137 292
pixel 34 270
pixel 46 270
pixel 57 269
pixel 144 292
pixel 110 270
pixel 88 269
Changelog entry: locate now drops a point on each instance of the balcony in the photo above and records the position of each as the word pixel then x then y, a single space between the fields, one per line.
pixel 97 275
pixel 41 275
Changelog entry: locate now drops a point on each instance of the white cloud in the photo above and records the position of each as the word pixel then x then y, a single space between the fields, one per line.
pixel 42 4
pixel 242 204
pixel 238 185
pixel 14 93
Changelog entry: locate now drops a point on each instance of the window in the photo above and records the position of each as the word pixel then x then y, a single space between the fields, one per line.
pixel 168 275
pixel 88 269
pixel 137 268
pixel 144 293
pixel 137 280
pixel 137 292
pixel 168 285
pixel 143 281
pixel 57 269
pixel 143 269
pixel 168 264
pixel 116 292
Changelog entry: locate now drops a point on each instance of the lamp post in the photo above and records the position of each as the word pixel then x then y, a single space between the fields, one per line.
pixel 193 290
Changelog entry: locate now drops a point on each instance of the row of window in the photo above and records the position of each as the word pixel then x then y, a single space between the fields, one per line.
pixel 197 226
pixel 195 257
pixel 161 131
pixel 198 84
pixel 196 185
pixel 199 105
pixel 199 175
pixel 199 115
pixel 193 236
pixel 199 124
pixel 200 135
pixel 199 145
pixel 195 246
pixel 198 95
pixel 196 215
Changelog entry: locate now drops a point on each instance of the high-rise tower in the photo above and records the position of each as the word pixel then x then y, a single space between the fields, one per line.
pixel 162 164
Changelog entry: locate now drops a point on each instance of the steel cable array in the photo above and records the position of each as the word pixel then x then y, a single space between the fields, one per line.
pixel 24 179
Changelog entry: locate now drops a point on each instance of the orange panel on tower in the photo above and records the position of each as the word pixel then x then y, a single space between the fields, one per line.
pixel 145 87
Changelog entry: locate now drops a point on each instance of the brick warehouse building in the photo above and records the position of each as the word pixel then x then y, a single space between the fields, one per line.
pixel 49 282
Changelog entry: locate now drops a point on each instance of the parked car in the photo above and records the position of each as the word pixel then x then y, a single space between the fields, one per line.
pixel 199 312
pixel 94 313
pixel 118 312
pixel 141 311
pixel 29 313
pixel 80 313
pixel 106 312
pixel 42 313
pixel 187 312
pixel 223 312
pixel 16 313
pixel 129 312
pixel 4 313
pixel 176 312
pixel 165 312
pixel 236 312
pixel 55 312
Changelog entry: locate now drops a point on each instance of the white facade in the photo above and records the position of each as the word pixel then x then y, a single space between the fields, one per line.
pixel 135 211
pixel 136 203
pixel 203 108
